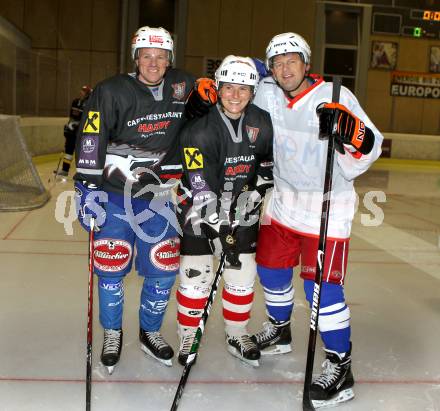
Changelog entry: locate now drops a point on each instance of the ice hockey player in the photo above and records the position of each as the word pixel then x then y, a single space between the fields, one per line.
pixel 71 129
pixel 299 106
pixel 227 161
pixel 127 160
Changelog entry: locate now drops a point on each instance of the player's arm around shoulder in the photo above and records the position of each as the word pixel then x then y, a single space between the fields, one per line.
pixel 265 93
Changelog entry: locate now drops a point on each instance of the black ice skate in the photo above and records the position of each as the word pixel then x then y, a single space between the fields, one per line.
pixel 274 338
pixel 111 348
pixel 335 384
pixel 244 349
pixel 186 340
pixel 153 344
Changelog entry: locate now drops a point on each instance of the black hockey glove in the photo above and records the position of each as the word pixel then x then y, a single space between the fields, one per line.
pixel 348 128
pixel 221 239
pixel 90 204
pixel 249 202
pixel 201 98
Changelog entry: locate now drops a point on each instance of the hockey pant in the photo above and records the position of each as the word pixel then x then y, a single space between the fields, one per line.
pixel 196 277
pixel 334 314
pixel 157 259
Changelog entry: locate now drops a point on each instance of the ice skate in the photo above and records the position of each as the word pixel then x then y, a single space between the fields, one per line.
pixel 335 383
pixel 244 349
pixel 274 338
pixel 186 336
pixel 153 344
pixel 111 349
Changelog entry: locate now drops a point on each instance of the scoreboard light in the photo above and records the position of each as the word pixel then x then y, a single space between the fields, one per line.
pixel 429 15
pixel 426 15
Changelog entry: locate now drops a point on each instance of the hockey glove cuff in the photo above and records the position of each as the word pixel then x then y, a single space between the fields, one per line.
pixel 348 128
pixel 90 204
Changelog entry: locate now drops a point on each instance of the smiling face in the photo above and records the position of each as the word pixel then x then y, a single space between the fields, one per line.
pixel 152 64
pixel 234 98
pixel 289 71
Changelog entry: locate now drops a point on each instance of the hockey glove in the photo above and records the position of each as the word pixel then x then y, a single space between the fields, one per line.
pixel 221 239
pixel 348 128
pixel 90 204
pixel 261 68
pixel 250 202
pixel 201 98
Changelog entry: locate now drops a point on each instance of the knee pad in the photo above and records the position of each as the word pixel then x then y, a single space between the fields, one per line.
pixel 245 277
pixel 274 278
pixel 278 291
pixel 156 293
pixel 196 273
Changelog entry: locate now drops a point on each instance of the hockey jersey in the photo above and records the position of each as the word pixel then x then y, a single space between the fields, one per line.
pixel 128 135
pixel 220 163
pixel 300 159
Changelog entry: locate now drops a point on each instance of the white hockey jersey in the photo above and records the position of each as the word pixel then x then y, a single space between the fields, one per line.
pixel 300 159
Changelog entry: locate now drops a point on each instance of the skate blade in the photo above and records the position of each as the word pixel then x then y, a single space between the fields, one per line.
pixel 168 363
pixel 342 396
pixel 277 349
pixel 235 353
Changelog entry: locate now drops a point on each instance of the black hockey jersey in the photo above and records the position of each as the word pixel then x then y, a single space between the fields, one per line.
pixel 219 163
pixel 128 135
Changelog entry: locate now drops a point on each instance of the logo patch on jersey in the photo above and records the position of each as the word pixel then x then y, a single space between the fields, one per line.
pixel 112 255
pixel 193 158
pixel 179 90
pixel 92 123
pixel 166 254
pixel 88 145
pixel 197 181
pixel 252 133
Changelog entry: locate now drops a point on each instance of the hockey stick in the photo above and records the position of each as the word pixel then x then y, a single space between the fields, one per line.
pixel 54 174
pixel 198 336
pixel 90 316
pixel 307 402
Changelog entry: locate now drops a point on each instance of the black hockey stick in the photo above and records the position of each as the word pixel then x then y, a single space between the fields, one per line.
pixel 90 316
pixel 196 343
pixel 307 402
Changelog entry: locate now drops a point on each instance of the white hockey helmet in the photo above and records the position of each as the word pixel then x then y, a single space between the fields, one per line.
pixel 154 37
pixel 237 70
pixel 288 43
